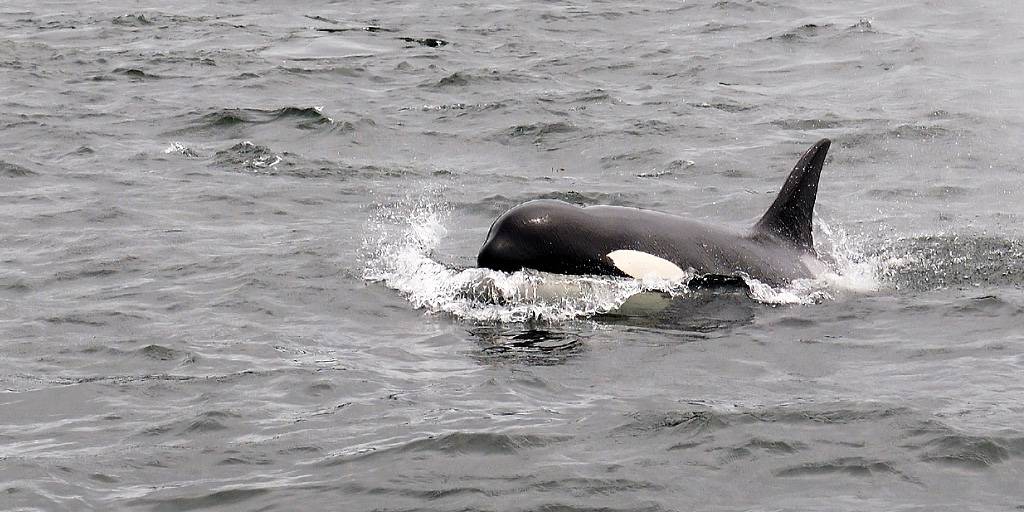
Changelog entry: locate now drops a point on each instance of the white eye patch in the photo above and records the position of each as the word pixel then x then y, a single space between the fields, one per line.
pixel 641 265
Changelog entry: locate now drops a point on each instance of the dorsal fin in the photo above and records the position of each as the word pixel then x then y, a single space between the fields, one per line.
pixel 789 217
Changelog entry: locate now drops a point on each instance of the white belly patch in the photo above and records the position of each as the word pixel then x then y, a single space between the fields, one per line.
pixel 641 265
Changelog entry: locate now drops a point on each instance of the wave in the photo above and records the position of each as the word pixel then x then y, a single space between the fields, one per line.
pixel 531 346
pixel 853 466
pixel 215 499
pixel 814 32
pixel 149 19
pixel 478 76
pixel 227 121
pixel 136 74
pixel 931 262
pixel 249 156
pixel 9 170
pixel 449 444
pixel 534 133
pixel 497 204
pixel 254 158
pixel 457 107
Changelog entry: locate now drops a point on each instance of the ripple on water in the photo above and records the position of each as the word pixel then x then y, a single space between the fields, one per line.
pixel 632 159
pixel 10 170
pixel 136 74
pixel 249 156
pixel 802 33
pixel 489 77
pixel 497 204
pixel 212 500
pixel 922 132
pixel 160 353
pixel 451 444
pixel 539 346
pixel 940 261
pixel 209 422
pixel 852 466
pixel 642 127
pixel 232 123
pixel 705 420
pixel 968 451
pixel 808 124
pixel 534 133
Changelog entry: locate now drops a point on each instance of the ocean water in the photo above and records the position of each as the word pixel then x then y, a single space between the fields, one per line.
pixel 237 244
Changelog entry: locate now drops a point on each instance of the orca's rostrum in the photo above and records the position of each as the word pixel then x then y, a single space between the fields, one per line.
pixel 558 237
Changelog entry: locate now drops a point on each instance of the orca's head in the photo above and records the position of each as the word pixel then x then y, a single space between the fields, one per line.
pixel 531 235
pixel 499 253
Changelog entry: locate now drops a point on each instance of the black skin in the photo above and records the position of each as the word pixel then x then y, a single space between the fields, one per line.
pixel 558 237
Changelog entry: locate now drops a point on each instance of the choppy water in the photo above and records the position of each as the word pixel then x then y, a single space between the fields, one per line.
pixel 236 244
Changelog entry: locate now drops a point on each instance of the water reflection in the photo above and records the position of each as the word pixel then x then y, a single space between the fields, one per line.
pixel 702 311
pixel 696 314
pixel 527 344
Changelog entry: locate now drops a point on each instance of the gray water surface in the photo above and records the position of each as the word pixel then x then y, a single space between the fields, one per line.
pixel 235 242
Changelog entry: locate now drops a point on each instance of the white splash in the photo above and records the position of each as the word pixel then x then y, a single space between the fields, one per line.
pixel 398 255
pixel 848 267
pixel 178 147
pixel 842 267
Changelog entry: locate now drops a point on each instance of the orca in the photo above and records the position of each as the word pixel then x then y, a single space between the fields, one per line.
pixel 562 238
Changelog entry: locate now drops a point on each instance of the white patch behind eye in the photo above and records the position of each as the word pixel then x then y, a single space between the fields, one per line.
pixel 641 265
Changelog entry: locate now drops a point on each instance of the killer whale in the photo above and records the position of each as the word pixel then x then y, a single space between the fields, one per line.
pixel 562 238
